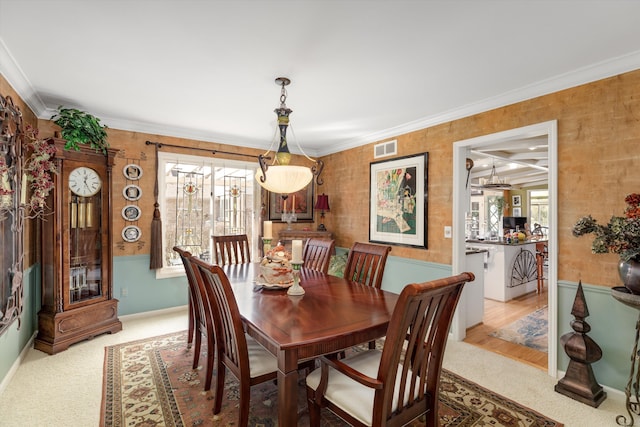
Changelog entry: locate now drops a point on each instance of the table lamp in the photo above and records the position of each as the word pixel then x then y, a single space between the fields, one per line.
pixel 323 205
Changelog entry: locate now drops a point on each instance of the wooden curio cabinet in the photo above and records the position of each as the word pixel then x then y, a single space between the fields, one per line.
pixel 77 263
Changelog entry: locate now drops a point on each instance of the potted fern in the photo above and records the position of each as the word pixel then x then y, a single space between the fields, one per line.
pixel 79 127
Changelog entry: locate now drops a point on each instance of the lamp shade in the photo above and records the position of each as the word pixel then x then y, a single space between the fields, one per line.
pixel 285 179
pixel 323 202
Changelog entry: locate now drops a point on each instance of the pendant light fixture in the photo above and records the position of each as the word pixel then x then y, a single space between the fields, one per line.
pixel 494 182
pixel 281 177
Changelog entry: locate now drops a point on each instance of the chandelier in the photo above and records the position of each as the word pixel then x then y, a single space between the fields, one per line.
pixel 281 177
pixel 494 182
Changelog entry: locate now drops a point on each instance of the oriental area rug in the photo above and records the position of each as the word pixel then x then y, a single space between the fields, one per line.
pixel 530 330
pixel 150 383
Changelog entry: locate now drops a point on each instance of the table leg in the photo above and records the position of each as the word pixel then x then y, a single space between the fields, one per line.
pixel 632 405
pixel 288 398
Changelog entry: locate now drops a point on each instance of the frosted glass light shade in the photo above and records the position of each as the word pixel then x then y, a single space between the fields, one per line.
pixel 285 179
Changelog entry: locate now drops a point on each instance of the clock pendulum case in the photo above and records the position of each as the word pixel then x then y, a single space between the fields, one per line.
pixel 77 262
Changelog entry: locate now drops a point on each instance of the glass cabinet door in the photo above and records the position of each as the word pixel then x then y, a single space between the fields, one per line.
pixel 85 245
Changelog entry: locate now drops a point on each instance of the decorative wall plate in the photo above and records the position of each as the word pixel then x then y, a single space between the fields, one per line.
pixel 132 192
pixel 131 213
pixel 131 233
pixel 132 172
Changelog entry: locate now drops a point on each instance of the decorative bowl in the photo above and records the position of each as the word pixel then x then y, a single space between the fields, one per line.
pixel 276 271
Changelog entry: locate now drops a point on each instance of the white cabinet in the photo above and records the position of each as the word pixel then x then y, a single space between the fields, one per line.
pixel 473 292
pixel 499 281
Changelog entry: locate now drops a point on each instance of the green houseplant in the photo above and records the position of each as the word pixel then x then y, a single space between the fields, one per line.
pixel 79 127
pixel 620 236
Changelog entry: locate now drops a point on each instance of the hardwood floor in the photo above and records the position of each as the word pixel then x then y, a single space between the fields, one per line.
pixel 498 314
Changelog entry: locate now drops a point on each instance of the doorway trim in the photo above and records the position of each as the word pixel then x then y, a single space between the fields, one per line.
pixel 460 199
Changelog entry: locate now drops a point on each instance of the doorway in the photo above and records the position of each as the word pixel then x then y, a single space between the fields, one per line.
pixel 461 197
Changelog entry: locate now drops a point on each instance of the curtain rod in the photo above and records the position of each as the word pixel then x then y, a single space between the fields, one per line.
pixel 214 152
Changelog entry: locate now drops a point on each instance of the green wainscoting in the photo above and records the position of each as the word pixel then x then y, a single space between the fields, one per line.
pixel 612 323
pixel 399 272
pixel 143 291
pixel 612 328
pixel 14 340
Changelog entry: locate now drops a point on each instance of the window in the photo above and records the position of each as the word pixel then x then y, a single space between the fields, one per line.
pixel 494 206
pixel 539 208
pixel 200 197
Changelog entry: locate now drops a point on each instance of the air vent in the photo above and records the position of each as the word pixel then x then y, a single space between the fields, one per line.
pixel 385 149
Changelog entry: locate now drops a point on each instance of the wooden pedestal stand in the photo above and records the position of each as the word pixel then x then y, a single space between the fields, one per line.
pixel 579 382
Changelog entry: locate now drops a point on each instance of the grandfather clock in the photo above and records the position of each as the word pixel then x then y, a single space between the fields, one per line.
pixel 77 264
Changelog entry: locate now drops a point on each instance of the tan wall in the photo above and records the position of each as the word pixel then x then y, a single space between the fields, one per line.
pixel 598 163
pixel 133 149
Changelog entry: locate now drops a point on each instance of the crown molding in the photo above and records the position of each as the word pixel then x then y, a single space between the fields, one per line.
pixel 597 71
pixel 12 72
pixel 590 73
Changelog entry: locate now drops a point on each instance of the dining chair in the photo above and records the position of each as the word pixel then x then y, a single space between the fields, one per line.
pixel 199 318
pixel 245 358
pixel 231 249
pixel 542 254
pixel 365 263
pixel 392 386
pixel 317 254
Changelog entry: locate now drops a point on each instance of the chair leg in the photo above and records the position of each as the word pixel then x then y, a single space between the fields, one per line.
pixel 191 326
pixel 314 409
pixel 210 360
pixel 540 271
pixel 220 374
pixel 245 395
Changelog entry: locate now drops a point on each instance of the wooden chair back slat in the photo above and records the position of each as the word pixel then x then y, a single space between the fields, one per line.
pixel 231 249
pixel 366 263
pixel 317 254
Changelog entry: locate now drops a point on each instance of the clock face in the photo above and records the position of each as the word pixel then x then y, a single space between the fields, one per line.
pixel 84 181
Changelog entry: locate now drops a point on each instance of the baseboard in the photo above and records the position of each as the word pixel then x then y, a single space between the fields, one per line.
pixel 16 364
pixel 153 313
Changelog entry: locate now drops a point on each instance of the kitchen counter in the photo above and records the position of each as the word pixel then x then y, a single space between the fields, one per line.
pixel 503 242
pixel 473 292
pixel 510 268
pixel 470 251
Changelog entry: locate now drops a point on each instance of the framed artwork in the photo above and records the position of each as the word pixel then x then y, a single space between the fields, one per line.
pixel 131 212
pixel 515 201
pixel 132 192
pixel 132 172
pixel 131 233
pixel 302 200
pixel 398 201
pixel 517 212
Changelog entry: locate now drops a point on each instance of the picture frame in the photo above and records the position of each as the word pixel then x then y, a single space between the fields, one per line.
pixel 304 204
pixel 131 213
pixel 517 212
pixel 131 233
pixel 132 192
pixel 398 201
pixel 132 172
pixel 516 201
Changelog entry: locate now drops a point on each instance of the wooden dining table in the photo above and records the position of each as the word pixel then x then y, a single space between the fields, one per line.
pixel 333 314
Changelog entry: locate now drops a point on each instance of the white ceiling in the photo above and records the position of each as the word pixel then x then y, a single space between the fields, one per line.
pixel 361 71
